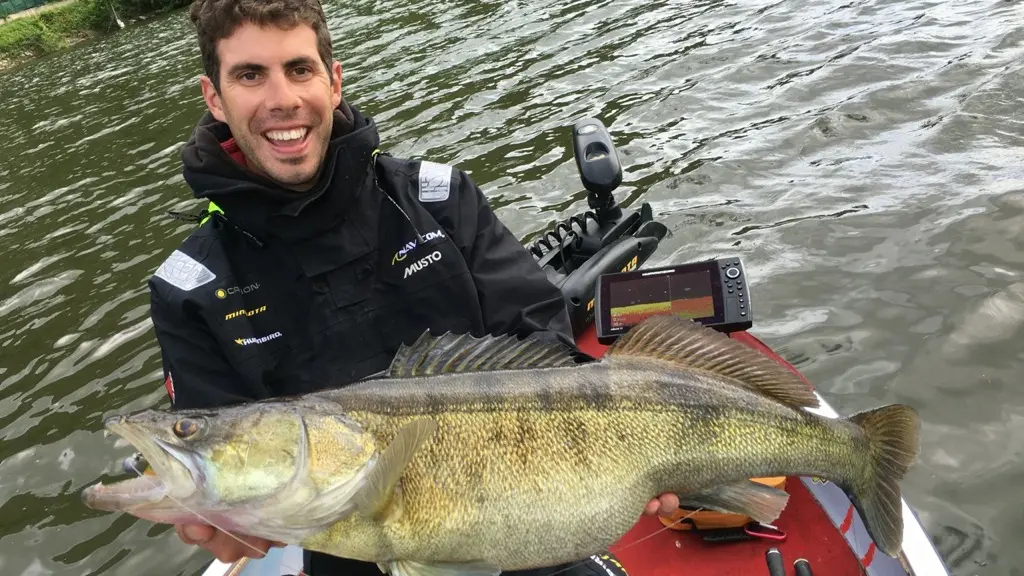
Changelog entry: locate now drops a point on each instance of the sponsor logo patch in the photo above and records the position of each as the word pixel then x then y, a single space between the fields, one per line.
pixel 410 245
pixel 261 340
pixel 184 272
pixel 435 181
pixel 422 263
pixel 604 562
pixel 245 313
pixel 223 293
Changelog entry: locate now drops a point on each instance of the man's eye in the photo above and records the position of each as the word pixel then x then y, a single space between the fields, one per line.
pixel 249 76
pixel 302 71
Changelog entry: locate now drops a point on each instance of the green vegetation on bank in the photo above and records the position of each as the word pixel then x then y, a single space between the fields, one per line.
pixel 59 27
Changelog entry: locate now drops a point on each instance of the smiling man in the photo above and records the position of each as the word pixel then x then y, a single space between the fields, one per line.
pixel 319 255
pixel 280 112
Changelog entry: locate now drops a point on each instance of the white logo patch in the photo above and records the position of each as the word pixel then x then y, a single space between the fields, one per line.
pixel 435 181
pixel 183 272
pixel 404 250
pixel 422 263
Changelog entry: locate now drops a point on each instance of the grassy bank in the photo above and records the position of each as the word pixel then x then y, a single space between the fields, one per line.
pixel 25 38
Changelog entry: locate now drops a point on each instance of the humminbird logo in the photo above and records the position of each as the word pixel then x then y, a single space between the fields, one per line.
pixel 404 250
pixel 422 263
pixel 244 312
pixel 251 341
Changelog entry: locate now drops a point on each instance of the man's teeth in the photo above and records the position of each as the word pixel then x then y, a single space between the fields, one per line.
pixel 286 135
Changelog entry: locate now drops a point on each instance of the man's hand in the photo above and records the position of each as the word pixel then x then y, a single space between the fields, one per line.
pixel 221 544
pixel 665 505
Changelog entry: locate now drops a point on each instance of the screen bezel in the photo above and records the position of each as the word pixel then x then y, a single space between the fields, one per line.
pixel 711 268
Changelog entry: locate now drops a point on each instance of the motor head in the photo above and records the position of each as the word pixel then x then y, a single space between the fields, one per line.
pixel 599 167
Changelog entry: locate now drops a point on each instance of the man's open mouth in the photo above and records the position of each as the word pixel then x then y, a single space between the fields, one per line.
pixel 290 140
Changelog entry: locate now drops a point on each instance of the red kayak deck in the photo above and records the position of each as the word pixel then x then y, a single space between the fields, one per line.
pixel 809 532
pixel 809 535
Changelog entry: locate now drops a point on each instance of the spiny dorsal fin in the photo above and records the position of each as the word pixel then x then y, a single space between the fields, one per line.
pixel 378 491
pixel 451 353
pixel 687 343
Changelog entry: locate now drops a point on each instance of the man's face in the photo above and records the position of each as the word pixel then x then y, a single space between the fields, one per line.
pixel 278 100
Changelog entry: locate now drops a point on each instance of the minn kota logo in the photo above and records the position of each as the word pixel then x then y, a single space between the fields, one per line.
pixel 244 312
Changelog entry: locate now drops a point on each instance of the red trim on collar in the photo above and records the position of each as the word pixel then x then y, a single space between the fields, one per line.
pixel 231 147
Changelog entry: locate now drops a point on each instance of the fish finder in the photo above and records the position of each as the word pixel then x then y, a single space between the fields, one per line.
pixel 712 292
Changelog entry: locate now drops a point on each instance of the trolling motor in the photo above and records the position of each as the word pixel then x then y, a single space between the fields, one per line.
pixel 605 238
pixel 599 168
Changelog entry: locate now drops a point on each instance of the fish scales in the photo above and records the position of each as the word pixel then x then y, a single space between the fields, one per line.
pixel 519 461
pixel 472 456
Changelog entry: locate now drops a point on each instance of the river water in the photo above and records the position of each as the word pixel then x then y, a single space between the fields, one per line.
pixel 862 157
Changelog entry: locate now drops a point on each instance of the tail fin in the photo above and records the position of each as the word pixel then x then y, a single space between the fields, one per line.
pixel 892 434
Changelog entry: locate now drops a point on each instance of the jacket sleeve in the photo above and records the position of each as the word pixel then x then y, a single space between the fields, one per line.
pixel 515 294
pixel 196 373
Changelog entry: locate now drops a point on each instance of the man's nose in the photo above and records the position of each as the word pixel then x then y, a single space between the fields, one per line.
pixel 281 94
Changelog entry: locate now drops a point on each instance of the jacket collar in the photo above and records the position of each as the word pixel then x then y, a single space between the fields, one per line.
pixel 216 170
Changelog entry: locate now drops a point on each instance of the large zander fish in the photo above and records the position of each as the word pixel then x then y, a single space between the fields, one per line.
pixel 475 456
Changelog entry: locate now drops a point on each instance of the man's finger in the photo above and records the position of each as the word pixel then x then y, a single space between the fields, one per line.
pixel 668 504
pixel 227 549
pixel 196 534
pixel 223 547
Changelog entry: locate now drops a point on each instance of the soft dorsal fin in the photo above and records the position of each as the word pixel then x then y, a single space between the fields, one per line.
pixel 451 353
pixel 379 489
pixel 687 343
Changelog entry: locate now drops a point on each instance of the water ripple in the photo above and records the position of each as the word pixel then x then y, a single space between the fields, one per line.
pixel 862 157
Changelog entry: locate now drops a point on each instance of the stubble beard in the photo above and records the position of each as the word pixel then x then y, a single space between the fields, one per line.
pixel 297 178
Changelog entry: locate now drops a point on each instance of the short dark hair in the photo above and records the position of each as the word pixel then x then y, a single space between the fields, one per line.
pixel 217 19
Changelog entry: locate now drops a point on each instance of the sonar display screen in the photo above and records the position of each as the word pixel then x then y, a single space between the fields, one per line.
pixel 688 295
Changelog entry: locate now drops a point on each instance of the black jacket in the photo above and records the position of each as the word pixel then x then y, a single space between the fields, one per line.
pixel 278 293
pixel 285 292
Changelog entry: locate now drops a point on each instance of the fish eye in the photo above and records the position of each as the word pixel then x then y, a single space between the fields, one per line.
pixel 186 427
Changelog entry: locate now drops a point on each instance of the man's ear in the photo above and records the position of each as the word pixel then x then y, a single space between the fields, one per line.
pixel 336 84
pixel 212 98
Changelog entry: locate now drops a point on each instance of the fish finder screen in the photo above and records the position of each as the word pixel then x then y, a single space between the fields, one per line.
pixel 688 295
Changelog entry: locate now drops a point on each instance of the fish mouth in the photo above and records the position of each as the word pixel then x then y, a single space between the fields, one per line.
pixel 172 474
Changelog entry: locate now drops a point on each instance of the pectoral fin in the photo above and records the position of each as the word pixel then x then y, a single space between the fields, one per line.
pixel 380 485
pixel 761 503
pixel 410 568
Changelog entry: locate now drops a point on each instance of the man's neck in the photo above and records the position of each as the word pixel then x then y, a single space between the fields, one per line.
pixel 230 146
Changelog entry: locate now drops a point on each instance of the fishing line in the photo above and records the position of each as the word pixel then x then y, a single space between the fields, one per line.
pixel 655 533
pixel 634 543
pixel 210 522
